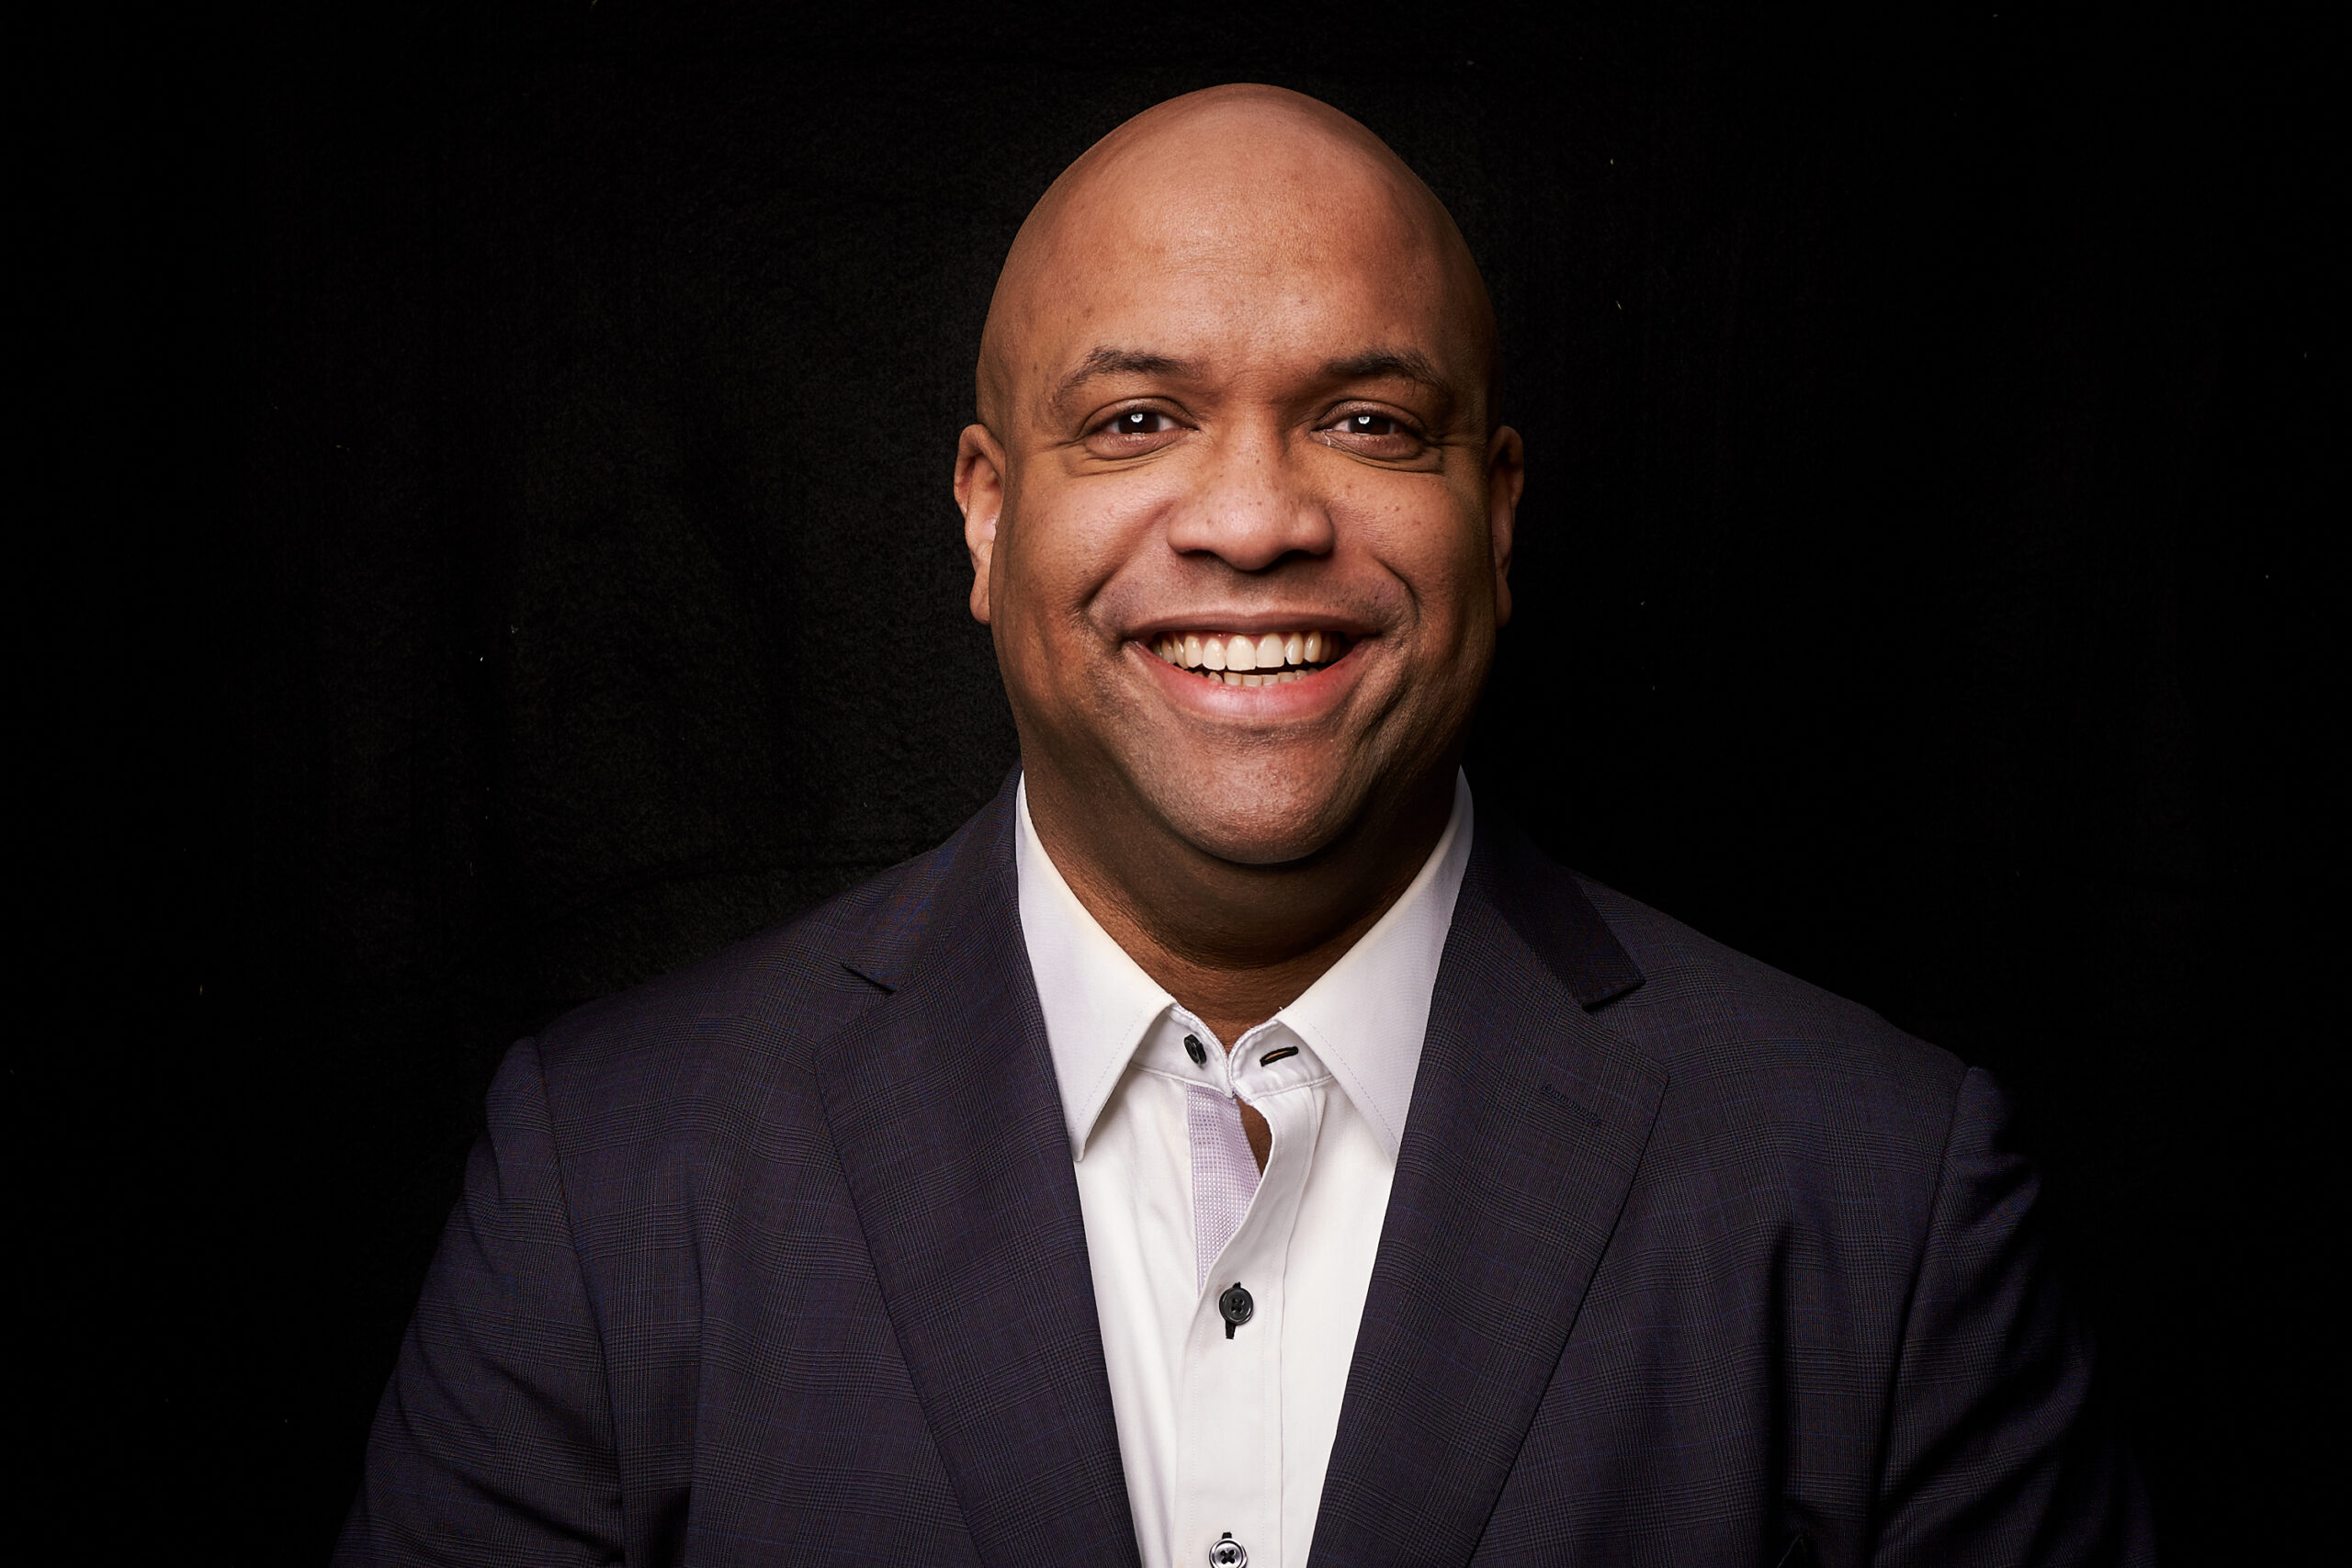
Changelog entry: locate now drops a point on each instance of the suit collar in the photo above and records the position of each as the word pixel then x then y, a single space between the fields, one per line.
pixel 1528 1122
pixel 944 1115
pixel 1548 911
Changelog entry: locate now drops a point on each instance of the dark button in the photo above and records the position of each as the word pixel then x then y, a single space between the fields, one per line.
pixel 1198 1051
pixel 1229 1553
pixel 1236 1308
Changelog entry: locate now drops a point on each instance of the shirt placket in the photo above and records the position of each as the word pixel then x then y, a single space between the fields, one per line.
pixel 1229 1444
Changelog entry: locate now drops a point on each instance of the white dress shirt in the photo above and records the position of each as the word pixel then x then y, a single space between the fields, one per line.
pixel 1226 1428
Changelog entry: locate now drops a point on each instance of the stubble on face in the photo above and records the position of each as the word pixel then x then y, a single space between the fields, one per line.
pixel 1239 522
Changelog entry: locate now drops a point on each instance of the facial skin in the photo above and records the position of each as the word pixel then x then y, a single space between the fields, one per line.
pixel 1234 382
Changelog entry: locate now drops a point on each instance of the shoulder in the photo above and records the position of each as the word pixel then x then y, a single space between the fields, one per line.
pixel 1760 1053
pixel 725 1038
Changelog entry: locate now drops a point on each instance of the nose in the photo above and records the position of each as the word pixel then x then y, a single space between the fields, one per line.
pixel 1252 507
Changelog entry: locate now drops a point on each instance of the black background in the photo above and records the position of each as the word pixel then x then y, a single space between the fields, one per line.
pixel 498 546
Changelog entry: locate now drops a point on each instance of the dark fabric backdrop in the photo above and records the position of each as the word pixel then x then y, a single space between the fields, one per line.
pixel 498 546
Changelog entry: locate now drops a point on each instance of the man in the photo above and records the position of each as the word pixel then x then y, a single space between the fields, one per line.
pixel 1233 1146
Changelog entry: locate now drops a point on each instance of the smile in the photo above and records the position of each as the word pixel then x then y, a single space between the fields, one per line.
pixel 1238 659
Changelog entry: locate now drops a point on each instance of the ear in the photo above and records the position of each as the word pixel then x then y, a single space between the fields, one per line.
pixel 979 493
pixel 1505 478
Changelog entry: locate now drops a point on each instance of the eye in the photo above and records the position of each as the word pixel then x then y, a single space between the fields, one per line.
pixel 1134 433
pixel 1138 421
pixel 1374 434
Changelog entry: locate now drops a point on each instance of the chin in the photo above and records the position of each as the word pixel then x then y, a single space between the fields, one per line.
pixel 1259 826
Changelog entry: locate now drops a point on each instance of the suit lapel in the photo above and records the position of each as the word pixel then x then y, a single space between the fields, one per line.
pixel 1527 1122
pixel 949 1127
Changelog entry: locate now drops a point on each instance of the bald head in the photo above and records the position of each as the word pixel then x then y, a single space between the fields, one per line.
pixel 1237 184
pixel 1241 514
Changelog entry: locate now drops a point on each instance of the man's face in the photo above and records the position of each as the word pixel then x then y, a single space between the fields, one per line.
pixel 1248 554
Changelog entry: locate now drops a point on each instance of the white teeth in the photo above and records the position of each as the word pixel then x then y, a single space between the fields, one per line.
pixel 1234 654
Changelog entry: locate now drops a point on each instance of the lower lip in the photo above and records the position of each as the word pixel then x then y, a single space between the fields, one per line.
pixel 1311 694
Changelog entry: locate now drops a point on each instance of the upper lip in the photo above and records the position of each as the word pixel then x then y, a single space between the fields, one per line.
pixel 1249 623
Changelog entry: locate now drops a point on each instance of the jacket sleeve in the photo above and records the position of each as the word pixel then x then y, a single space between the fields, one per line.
pixel 1996 1451
pixel 494 1441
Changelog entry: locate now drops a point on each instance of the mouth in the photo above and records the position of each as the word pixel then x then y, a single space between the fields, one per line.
pixel 1244 659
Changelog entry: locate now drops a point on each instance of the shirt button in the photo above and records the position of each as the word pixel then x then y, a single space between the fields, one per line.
pixel 1194 1049
pixel 1229 1553
pixel 1236 1308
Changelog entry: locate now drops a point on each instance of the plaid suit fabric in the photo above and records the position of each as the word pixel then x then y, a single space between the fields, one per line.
pixel 779 1260
pixel 1821 1314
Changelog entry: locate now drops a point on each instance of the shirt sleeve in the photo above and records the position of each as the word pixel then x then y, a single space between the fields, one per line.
pixel 494 1441
pixel 1997 1452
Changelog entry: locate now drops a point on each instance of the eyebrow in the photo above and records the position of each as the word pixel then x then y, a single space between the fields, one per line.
pixel 1410 364
pixel 1116 361
pixel 1407 363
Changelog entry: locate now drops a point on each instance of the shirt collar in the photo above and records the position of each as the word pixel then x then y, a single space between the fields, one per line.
pixel 1365 1018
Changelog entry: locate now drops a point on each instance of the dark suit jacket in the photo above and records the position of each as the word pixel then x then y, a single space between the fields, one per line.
pixel 779 1259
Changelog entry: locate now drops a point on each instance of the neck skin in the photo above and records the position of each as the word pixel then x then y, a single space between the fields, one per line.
pixel 1233 943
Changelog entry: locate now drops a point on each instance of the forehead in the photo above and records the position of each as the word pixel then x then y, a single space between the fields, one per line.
pixel 1235 262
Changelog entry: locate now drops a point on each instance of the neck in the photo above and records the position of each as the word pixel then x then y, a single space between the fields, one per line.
pixel 1235 943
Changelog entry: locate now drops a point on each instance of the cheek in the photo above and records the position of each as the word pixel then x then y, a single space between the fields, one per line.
pixel 1433 541
pixel 1063 549
pixel 1072 541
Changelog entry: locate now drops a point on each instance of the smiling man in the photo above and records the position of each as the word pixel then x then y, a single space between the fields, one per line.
pixel 1232 1147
